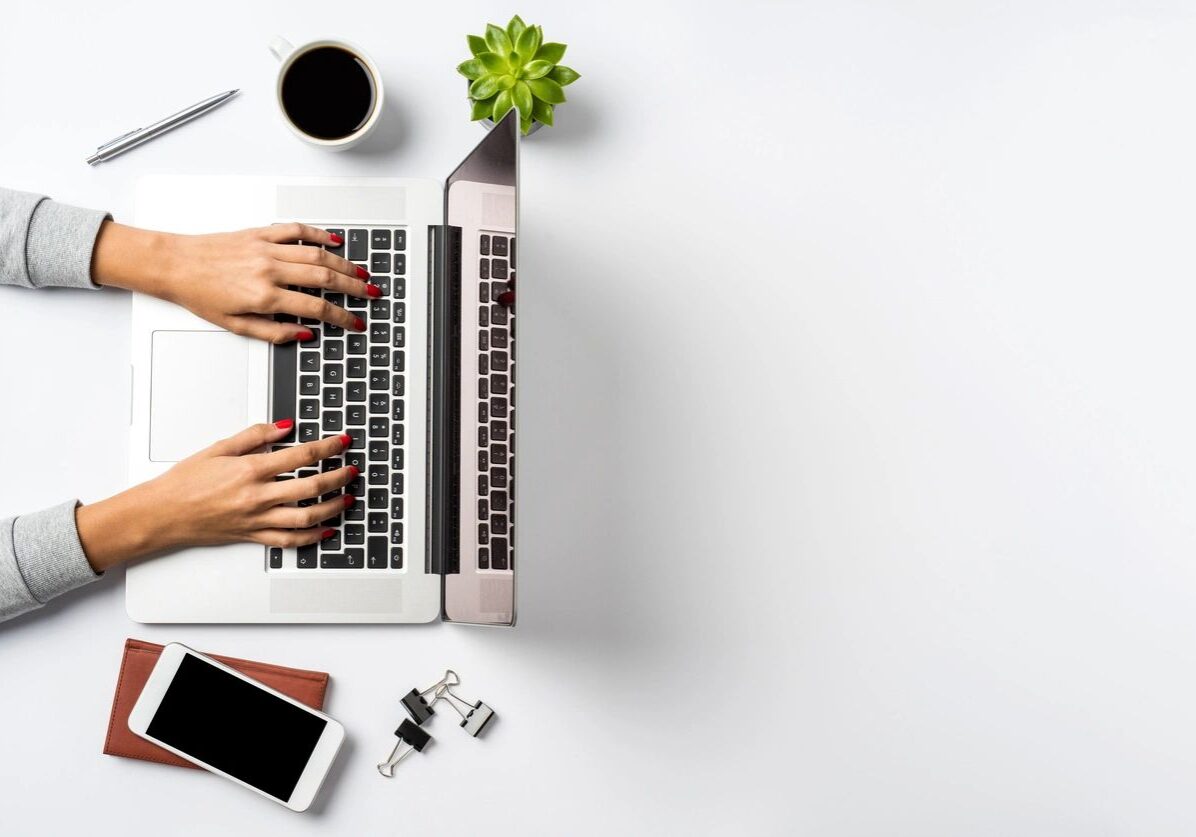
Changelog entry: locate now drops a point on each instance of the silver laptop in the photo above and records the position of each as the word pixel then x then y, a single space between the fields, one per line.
pixel 427 393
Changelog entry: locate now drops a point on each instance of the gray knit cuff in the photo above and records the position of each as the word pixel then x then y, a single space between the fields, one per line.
pixel 48 552
pixel 60 241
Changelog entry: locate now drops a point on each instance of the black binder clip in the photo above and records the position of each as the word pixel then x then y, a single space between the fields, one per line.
pixel 411 735
pixel 474 716
pixel 418 706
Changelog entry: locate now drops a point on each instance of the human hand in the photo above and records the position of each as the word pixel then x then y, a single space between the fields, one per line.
pixel 236 280
pixel 223 494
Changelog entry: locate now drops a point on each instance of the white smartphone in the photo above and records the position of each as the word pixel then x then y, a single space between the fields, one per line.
pixel 230 724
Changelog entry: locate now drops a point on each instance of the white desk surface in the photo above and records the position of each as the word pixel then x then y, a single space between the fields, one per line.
pixel 857 420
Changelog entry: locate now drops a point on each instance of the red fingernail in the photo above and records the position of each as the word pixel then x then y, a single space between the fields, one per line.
pixel 304 335
pixel 328 533
pixel 336 239
pixel 346 439
pixel 284 424
pixel 361 273
pixel 353 472
pixel 349 500
pixel 506 297
pixel 373 290
pixel 359 323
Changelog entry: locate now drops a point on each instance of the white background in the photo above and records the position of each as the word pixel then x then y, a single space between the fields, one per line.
pixel 856 407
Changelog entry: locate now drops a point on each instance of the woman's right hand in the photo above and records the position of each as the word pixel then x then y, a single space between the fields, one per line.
pixel 223 494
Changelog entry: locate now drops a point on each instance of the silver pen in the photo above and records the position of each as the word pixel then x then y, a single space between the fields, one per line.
pixel 124 142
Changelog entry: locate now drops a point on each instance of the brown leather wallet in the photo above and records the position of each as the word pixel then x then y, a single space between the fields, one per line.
pixel 139 659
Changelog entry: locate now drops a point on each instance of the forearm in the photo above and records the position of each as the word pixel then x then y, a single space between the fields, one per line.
pixel 134 259
pixel 129 525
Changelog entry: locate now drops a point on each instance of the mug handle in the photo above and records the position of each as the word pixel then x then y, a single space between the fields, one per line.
pixel 281 48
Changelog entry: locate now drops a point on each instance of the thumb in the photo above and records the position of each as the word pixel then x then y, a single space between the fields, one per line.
pixel 251 438
pixel 264 328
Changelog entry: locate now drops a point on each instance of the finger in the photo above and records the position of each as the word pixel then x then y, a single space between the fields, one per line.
pixel 290 537
pixel 289 491
pixel 300 456
pixel 303 305
pixel 252 438
pixel 290 517
pixel 293 231
pixel 297 254
pixel 263 328
pixel 313 275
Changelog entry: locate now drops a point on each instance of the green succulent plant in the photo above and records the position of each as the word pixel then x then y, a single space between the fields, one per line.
pixel 514 68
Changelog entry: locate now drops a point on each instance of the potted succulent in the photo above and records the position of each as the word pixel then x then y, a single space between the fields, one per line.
pixel 514 68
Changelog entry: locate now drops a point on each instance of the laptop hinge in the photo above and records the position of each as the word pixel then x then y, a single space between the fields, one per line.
pixel 444 411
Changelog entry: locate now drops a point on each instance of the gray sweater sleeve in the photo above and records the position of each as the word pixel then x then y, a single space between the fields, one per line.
pixel 43 243
pixel 40 558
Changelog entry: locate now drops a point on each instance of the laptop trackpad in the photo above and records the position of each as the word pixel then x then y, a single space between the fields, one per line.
pixel 199 391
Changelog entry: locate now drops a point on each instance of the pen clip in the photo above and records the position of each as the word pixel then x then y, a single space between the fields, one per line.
pixel 112 142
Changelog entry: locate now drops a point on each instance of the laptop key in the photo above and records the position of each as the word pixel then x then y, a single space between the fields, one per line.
pixel 498 553
pixel 483 533
pixel 396 434
pixel 498 361
pixel 498 268
pixel 355 391
pixel 379 355
pixel 275 558
pixel 332 543
pixel 334 373
pixel 400 288
pixel 483 558
pixel 334 350
pixel 498 524
pixel 356 458
pixel 305 558
pixel 380 332
pixel 309 385
pixel 355 367
pixel 377 498
pixel 309 408
pixel 379 403
pixel 396 483
pixel 498 407
pixel 398 409
pixel 400 239
pixel 498 338
pixel 354 534
pixel 332 422
pixel 400 263
pixel 396 459
pixel 376 553
pixel 498 501
pixel 396 508
pixel 498 383
pixel 498 477
pixel 400 312
pixel 380 239
pixel 355 344
pixel 357 435
pixel 396 557
pixel 396 534
pixel 355 415
pixel 350 559
pixel 376 522
pixel 378 474
pixel 333 397
pixel 378 450
pixel 400 338
pixel 359 245
pixel 380 309
pixel 484 269
pixel 484 245
pixel 309 361
pixel 379 379
pixel 380 263
pixel 498 245
pixel 308 432
pixel 399 362
pixel 398 386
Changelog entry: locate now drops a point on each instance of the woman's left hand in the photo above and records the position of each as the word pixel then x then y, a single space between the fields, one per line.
pixel 237 280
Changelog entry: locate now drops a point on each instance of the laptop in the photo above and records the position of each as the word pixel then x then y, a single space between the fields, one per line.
pixel 427 392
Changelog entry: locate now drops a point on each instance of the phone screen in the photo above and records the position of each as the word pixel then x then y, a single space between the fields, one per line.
pixel 234 726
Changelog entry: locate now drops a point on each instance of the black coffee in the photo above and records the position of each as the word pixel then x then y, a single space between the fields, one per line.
pixel 328 93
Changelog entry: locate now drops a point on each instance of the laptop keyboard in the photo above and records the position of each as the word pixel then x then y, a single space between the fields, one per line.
pixel 355 383
pixel 496 403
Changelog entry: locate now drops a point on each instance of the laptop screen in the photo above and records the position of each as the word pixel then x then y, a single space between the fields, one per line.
pixel 473 503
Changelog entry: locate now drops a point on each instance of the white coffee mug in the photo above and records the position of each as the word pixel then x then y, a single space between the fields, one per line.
pixel 287 54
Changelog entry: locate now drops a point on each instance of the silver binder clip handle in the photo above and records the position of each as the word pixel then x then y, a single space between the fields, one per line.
pixel 410 736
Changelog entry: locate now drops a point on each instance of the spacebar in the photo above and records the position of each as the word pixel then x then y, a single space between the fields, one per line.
pixel 282 381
